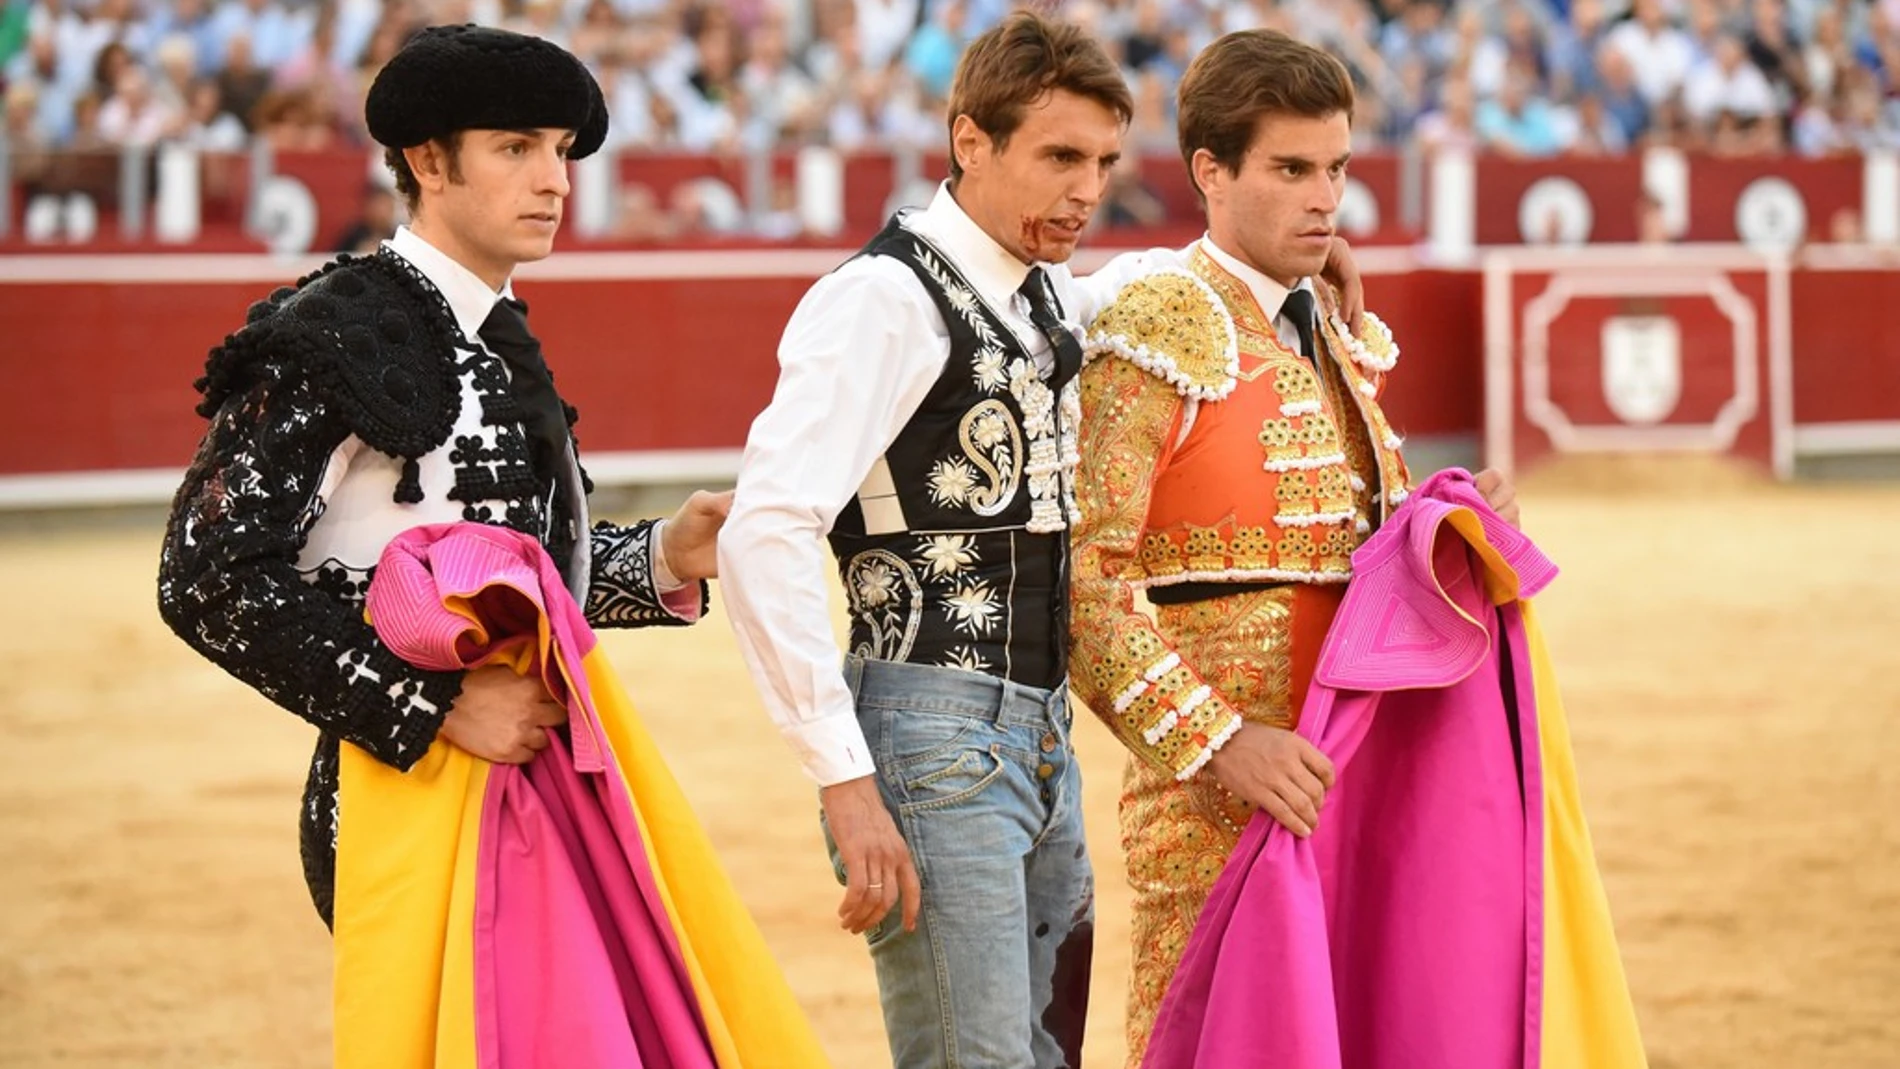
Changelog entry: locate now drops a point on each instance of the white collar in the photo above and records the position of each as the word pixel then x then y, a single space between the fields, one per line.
pixel 995 272
pixel 469 298
pixel 1270 295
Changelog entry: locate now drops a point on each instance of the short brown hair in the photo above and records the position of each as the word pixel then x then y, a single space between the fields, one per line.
pixel 1014 63
pixel 1249 74
pixel 406 186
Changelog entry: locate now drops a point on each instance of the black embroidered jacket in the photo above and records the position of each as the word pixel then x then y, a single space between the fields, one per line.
pixel 364 348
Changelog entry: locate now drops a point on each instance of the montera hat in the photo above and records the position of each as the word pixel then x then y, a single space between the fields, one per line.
pixel 450 78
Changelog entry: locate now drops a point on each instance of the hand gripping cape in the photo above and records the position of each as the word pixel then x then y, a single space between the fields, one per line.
pixel 566 913
pixel 1447 913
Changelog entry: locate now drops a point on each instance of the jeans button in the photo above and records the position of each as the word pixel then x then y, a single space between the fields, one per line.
pixel 1045 770
pixel 1049 742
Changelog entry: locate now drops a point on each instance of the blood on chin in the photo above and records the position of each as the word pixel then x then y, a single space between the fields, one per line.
pixel 1045 243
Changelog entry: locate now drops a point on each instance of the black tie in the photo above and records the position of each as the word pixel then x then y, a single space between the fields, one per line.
pixel 1298 309
pixel 1043 313
pixel 543 417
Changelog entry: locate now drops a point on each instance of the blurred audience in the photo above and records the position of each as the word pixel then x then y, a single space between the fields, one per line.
pixel 1532 78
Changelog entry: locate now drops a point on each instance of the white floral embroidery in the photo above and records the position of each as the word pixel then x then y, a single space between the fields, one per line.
pixel 988 366
pixel 946 555
pixel 966 658
pixel 990 429
pixel 876 584
pixel 951 481
pixel 886 602
pixel 1052 505
pixel 973 609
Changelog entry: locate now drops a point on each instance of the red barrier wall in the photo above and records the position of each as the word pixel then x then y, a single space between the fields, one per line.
pixel 99 372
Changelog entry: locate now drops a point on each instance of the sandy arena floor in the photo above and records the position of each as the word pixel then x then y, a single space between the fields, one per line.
pixel 1730 655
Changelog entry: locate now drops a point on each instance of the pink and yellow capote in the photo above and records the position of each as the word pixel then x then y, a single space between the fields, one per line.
pixel 568 912
pixel 1448 910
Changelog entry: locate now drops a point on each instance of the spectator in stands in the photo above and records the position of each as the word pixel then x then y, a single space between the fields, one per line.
pixel 1574 46
pixel 600 28
pixel 1146 39
pixel 28 151
pixel 242 83
pixel 1151 131
pixel 1622 98
pixel 86 136
pixel 931 57
pixel 1450 126
pixel 1596 133
pixel 1773 50
pixel 705 102
pixel 275 32
pixel 1481 55
pixel 176 61
pixel 1669 127
pixel 1520 122
pixel 295 120
pixel 38 66
pixel 133 116
pixel 1862 123
pixel 1420 32
pixel 785 96
pixel 316 62
pixel 880 111
pixel 883 27
pixel 1826 56
pixel 1659 54
pixel 109 66
pixel 208 126
pixel 191 20
pixel 1727 83
pixel 539 18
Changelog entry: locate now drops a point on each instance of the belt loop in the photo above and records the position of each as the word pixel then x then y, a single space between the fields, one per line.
pixel 1001 717
pixel 854 675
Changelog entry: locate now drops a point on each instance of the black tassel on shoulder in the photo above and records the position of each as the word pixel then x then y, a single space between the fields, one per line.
pixel 409 487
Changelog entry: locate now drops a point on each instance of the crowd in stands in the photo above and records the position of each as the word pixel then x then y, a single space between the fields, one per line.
pixel 1525 77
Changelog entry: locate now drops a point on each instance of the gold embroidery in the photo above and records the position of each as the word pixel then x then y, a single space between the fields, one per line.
pixel 1177 835
pixel 1170 325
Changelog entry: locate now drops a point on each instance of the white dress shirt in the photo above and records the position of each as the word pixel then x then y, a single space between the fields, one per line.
pixel 359 517
pixel 859 354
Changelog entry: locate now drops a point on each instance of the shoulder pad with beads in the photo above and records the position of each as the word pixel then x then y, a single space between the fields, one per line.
pixel 1173 326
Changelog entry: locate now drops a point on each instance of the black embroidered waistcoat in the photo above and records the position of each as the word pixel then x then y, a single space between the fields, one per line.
pixel 955 551
pixel 368 348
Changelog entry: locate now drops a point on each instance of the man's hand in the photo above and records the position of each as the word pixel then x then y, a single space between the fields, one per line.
pixel 1278 771
pixel 690 539
pixel 877 866
pixel 1343 272
pixel 502 717
pixel 1499 494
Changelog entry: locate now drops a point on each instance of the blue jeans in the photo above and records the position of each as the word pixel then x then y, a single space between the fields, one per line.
pixel 982 781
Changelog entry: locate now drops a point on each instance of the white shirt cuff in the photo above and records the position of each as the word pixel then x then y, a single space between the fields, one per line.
pixel 832 750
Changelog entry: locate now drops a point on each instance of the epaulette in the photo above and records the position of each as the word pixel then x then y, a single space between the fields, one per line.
pixel 1372 348
pixel 373 336
pixel 1173 326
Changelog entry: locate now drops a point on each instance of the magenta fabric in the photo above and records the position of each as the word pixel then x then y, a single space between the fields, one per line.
pixel 576 963
pixel 1405 933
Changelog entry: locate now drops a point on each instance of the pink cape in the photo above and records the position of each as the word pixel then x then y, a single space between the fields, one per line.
pixel 1409 931
pixel 576 963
